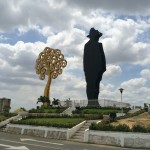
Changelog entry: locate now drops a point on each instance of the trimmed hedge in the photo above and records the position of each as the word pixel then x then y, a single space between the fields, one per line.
pixel 119 128
pixel 51 122
pixel 138 128
pixel 98 110
pixel 48 110
pixel 85 116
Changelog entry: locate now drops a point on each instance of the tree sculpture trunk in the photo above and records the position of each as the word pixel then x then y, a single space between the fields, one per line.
pixel 49 63
pixel 47 90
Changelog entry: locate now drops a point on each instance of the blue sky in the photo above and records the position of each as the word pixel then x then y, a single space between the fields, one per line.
pixel 29 26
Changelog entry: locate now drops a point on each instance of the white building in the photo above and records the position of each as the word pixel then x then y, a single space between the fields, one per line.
pixel 5 104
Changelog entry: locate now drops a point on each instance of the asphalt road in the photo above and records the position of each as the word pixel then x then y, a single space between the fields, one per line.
pixel 22 142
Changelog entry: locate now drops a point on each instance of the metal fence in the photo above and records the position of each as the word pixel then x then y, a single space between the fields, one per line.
pixel 102 103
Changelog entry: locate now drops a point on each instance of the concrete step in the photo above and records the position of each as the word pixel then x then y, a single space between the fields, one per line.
pixel 83 129
pixel 88 123
pixel 85 126
pixel 77 137
pixel 79 134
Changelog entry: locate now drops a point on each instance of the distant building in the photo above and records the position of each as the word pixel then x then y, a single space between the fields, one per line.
pixel 5 105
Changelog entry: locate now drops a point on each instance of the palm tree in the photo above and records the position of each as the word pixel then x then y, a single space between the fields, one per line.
pixel 56 101
pixel 45 100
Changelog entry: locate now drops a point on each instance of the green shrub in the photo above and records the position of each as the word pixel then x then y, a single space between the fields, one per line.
pixel 102 127
pixel 106 121
pixel 139 128
pixel 93 126
pixel 119 128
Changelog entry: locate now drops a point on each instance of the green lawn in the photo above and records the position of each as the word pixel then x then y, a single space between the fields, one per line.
pixel 2 117
pixel 51 122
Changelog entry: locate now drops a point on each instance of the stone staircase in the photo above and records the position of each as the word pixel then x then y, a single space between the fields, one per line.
pixel 68 111
pixel 79 135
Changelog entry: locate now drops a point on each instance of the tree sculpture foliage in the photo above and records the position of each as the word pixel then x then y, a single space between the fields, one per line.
pixel 50 62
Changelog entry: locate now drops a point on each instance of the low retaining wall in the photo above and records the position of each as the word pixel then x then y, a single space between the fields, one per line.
pixel 121 139
pixel 41 131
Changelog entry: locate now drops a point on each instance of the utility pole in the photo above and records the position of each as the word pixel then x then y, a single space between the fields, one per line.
pixel 121 91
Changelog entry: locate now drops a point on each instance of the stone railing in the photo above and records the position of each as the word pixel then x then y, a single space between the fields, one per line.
pixel 5 122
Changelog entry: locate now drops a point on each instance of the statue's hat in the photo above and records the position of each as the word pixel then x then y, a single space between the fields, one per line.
pixel 94 32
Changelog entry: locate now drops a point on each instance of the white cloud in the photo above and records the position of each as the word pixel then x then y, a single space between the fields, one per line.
pixel 71 42
pixel 145 73
pixel 112 71
pixel 134 84
pixel 121 45
pixel 134 7
pixel 26 13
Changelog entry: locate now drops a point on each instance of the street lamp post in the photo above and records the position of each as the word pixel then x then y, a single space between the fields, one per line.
pixel 121 91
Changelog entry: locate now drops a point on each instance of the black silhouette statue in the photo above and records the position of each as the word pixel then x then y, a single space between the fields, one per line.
pixel 94 64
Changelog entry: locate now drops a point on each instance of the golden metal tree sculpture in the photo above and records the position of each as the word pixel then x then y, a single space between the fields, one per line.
pixel 50 62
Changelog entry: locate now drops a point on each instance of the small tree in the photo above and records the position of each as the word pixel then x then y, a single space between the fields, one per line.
pixel 45 100
pixel 56 101
pixel 50 62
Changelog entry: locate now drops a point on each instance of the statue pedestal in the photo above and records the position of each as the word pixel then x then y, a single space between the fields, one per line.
pixel 93 103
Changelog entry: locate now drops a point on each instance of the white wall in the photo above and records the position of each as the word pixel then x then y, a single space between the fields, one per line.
pixel 121 139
